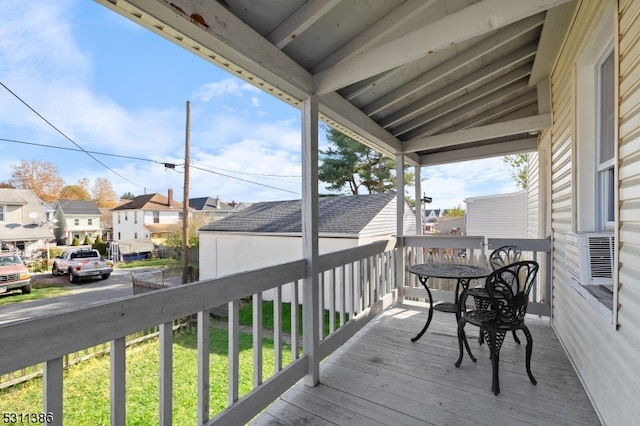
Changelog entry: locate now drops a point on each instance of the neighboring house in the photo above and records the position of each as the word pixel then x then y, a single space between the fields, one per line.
pixel 150 217
pixel 76 219
pixel 211 209
pixel 269 233
pixel 446 225
pixel 497 216
pixel 23 221
pixel 106 218
pixel 430 215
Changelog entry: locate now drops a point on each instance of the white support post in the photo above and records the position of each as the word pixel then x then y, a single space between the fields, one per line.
pixel 400 225
pixel 310 296
pixel 417 172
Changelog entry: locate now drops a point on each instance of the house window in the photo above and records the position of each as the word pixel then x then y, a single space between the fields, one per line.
pixel 118 217
pixel 605 149
pixel 595 153
pixel 2 213
pixel 119 237
pixel 156 217
pixel 126 216
pixel 135 235
pixel 90 221
pixel 135 217
pixel 180 215
pixel 76 222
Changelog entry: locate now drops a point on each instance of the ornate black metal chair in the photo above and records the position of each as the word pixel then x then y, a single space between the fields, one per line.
pixel 498 258
pixel 508 289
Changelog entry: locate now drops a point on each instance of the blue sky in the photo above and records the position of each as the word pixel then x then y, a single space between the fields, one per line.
pixel 114 87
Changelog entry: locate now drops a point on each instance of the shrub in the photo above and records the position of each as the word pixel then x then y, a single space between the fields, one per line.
pixel 101 247
pixel 87 240
pixel 75 242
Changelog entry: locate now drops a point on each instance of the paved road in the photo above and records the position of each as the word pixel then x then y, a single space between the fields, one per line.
pixel 83 294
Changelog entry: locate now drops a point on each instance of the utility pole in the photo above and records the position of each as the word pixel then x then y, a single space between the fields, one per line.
pixel 185 203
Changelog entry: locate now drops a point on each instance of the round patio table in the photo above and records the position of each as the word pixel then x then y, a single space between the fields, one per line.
pixel 462 273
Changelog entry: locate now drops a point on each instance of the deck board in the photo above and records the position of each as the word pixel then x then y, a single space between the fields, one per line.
pixel 380 377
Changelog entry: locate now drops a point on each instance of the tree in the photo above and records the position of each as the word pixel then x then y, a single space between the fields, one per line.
pixel 6 185
pixel 127 196
pixel 74 192
pixel 40 177
pixel 349 163
pixel 519 164
pixel 457 211
pixel 174 238
pixel 103 193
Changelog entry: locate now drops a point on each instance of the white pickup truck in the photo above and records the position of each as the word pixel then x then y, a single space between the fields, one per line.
pixel 82 263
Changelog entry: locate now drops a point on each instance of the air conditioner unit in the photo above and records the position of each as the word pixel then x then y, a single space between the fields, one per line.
pixel 589 257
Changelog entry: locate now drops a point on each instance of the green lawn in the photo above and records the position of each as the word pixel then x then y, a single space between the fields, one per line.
pixel 40 292
pixel 86 395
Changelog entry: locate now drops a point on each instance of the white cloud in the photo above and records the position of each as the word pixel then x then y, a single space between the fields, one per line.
pixel 228 86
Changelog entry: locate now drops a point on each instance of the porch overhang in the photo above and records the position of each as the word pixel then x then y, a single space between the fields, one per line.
pixel 393 75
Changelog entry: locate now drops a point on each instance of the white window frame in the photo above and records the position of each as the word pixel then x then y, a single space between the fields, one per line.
pixel 595 179
pixel 3 213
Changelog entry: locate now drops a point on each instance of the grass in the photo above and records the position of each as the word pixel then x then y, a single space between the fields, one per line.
pixel 86 396
pixel 245 317
pixel 39 292
pixel 150 263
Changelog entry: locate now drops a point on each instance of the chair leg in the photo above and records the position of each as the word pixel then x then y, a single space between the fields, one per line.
pixel 462 341
pixel 495 381
pixel 529 351
pixel 494 340
pixel 515 337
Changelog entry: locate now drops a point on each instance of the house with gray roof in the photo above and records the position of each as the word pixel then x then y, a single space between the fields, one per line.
pixel 77 219
pixel 24 224
pixel 211 209
pixel 269 233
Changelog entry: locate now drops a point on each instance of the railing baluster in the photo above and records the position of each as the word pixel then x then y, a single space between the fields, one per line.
pixel 118 361
pixel 166 373
pixel 277 329
pixel 332 300
pixel 321 306
pixel 257 339
pixel 234 350
pixel 203 366
pixel 343 296
pixel 53 390
pixel 295 336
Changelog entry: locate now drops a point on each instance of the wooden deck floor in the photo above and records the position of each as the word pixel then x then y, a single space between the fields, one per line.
pixel 380 377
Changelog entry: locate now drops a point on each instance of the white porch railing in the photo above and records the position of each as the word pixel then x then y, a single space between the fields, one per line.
pixel 356 284
pixel 472 250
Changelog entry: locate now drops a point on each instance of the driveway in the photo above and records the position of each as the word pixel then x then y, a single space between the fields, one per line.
pixel 83 294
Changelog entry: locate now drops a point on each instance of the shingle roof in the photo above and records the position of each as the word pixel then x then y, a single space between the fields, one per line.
pixel 336 215
pixel 150 202
pixel 79 207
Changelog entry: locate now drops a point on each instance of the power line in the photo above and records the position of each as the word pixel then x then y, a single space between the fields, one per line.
pixel 245 180
pixel 81 150
pixel 248 173
pixel 67 137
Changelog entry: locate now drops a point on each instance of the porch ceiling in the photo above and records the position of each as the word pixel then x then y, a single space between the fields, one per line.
pixel 440 80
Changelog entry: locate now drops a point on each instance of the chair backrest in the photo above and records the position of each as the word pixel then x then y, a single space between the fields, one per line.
pixel 504 256
pixel 509 288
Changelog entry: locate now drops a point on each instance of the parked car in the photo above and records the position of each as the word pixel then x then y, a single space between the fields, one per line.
pixel 82 263
pixel 14 274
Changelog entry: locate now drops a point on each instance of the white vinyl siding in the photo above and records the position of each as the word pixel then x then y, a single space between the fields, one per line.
pixel 604 354
pixel 497 216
